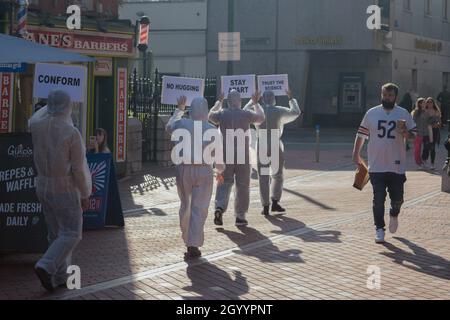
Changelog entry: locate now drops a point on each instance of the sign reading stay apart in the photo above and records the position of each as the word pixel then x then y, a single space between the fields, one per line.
pixel 175 87
pixel 244 84
pixel 276 83
pixel 105 207
pixel 22 223
pixel 48 77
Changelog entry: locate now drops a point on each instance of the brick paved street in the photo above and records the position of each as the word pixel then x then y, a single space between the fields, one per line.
pixel 320 250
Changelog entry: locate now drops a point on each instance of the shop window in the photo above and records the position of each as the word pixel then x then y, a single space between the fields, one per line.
pixel 385 6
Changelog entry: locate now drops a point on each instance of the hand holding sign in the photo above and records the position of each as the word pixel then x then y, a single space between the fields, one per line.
pixel 256 97
pixel 182 103
pixel 289 94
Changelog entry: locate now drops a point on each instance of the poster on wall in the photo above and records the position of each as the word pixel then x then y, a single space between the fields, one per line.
pixel 121 125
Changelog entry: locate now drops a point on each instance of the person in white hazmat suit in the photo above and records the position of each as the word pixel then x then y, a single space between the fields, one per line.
pixel 194 170
pixel 63 185
pixel 235 119
pixel 271 186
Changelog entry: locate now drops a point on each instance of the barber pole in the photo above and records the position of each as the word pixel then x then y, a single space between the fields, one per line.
pixel 144 27
pixel 22 18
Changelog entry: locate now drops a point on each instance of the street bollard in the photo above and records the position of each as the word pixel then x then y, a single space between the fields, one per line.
pixel 446 169
pixel 317 143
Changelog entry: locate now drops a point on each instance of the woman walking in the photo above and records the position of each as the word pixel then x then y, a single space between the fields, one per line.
pixel 434 124
pixel 420 118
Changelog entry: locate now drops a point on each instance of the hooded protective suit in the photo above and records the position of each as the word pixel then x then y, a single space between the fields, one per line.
pixel 234 118
pixel 63 179
pixel 276 118
pixel 194 181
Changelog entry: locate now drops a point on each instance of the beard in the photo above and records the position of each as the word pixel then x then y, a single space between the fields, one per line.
pixel 388 105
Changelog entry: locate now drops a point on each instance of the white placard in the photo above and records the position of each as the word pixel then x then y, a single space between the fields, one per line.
pixel 175 87
pixel 244 84
pixel 48 77
pixel 229 46
pixel 278 83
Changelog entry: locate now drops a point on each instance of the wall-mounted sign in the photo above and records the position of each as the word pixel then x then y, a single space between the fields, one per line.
pixel 13 67
pixel 6 101
pixel 434 46
pixel 229 46
pixel 83 42
pixel 103 67
pixel 121 138
pixel 319 41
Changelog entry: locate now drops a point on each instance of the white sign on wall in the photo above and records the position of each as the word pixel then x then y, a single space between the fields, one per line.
pixel 278 83
pixel 244 84
pixel 48 77
pixel 175 87
pixel 229 46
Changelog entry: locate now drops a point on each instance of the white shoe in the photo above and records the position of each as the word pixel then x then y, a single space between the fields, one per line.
pixel 393 224
pixel 432 167
pixel 425 165
pixel 420 167
pixel 379 237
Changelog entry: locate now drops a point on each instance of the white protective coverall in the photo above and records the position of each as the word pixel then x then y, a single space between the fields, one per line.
pixel 194 181
pixel 63 179
pixel 235 118
pixel 276 118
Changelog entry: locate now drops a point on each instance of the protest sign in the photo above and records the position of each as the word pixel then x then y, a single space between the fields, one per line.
pixel 175 87
pixel 244 84
pixel 278 84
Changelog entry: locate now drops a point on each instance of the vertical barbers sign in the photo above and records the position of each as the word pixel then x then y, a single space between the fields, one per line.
pixel 121 128
pixel 72 79
pixel 22 224
pixel 6 102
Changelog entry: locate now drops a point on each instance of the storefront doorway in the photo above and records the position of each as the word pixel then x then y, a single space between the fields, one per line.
pixel 104 107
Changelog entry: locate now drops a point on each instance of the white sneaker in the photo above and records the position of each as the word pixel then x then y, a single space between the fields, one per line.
pixel 393 224
pixel 379 237
pixel 425 165
pixel 432 168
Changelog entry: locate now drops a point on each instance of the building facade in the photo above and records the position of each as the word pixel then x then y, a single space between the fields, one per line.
pixel 103 36
pixel 336 64
pixel 177 37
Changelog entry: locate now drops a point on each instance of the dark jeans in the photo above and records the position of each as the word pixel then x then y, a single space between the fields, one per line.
pixel 394 183
pixel 429 148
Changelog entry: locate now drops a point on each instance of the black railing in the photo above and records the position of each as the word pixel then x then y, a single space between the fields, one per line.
pixel 144 96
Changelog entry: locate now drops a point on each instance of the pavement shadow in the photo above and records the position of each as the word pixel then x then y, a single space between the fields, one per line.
pixel 310 200
pixel 287 224
pixel 267 252
pixel 212 283
pixel 420 260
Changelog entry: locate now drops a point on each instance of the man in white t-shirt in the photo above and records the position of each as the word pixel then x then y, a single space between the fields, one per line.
pixel 382 126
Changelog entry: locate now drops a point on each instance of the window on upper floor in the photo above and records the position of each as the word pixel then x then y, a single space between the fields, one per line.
pixel 385 6
pixel 428 4
pixel 445 9
pixel 407 5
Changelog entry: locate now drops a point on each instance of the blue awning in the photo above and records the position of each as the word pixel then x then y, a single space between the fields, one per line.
pixel 17 50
